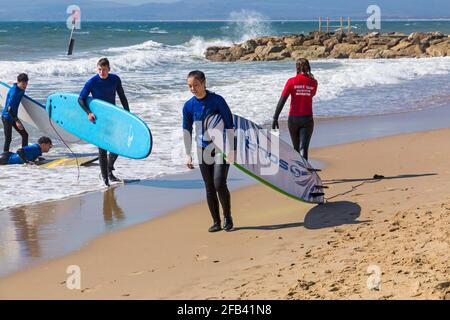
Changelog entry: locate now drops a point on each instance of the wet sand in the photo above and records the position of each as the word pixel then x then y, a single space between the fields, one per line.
pixel 281 248
pixel 35 233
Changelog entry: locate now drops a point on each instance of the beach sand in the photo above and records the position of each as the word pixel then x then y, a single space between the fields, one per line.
pixel 282 248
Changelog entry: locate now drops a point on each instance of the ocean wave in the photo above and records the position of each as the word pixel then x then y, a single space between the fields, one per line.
pixel 118 30
pixel 147 45
pixel 131 58
pixel 198 45
pixel 156 30
pixel 244 25
pixel 344 75
pixel 351 74
pixel 249 24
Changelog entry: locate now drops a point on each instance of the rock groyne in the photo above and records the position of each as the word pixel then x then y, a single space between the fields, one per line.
pixel 321 45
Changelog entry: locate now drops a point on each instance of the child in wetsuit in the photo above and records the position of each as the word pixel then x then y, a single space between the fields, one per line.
pixel 28 154
pixel 10 112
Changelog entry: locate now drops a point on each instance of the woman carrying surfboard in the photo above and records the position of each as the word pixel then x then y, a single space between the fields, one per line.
pixel 213 167
pixel 301 88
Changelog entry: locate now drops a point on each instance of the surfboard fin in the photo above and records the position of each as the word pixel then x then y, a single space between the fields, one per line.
pixel 316 194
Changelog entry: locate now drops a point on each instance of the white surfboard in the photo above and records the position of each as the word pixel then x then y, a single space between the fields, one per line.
pixel 267 158
pixel 34 114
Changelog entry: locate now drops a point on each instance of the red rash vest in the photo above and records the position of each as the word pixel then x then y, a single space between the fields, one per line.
pixel 302 89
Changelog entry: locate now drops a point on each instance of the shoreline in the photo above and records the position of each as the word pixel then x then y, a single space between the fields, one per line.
pixel 185 188
pixel 321 141
pixel 283 249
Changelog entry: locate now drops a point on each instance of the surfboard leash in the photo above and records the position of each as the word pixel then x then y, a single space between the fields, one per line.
pixel 67 146
pixel 376 178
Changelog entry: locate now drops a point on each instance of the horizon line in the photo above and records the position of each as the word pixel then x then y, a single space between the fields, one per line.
pixel 231 20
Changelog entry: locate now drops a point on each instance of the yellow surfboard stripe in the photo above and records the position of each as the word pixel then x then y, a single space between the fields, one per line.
pixel 68 162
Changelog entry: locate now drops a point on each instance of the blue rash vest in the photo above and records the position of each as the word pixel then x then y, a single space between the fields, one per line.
pixel 32 152
pixel 103 89
pixel 13 99
pixel 197 110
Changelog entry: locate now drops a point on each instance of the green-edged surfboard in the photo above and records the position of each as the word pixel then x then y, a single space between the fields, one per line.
pixel 267 158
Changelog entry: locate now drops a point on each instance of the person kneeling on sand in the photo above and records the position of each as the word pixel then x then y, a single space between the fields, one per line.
pixel 28 154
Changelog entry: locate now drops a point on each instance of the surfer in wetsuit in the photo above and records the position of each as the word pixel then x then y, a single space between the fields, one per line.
pixel 104 86
pixel 10 111
pixel 29 154
pixel 213 167
pixel 302 88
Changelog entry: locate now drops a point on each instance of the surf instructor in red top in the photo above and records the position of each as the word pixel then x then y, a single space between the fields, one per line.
pixel 104 86
pixel 301 88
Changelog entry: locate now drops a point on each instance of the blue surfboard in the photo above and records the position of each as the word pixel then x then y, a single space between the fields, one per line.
pixel 115 129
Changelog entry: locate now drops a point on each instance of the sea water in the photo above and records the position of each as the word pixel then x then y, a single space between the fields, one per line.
pixel 153 59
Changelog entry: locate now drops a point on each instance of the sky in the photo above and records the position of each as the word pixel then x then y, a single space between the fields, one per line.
pixel 138 2
pixel 114 10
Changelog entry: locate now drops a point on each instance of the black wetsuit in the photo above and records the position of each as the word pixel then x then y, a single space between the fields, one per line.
pixel 301 129
pixel 214 170
pixel 4 158
pixel 215 177
pixel 7 128
pixel 9 116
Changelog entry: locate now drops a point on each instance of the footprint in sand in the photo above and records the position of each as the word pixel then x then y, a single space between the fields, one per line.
pixel 253 267
pixel 136 273
pixel 201 257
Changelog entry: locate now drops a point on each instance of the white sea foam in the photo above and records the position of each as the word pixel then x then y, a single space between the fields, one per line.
pixel 156 30
pixel 132 58
pixel 198 45
pixel 351 74
pixel 245 25
pixel 249 24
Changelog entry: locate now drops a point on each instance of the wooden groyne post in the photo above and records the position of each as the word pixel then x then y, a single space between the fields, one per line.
pixel 341 25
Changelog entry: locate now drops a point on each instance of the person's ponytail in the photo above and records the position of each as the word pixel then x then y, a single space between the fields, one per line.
pixel 304 67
